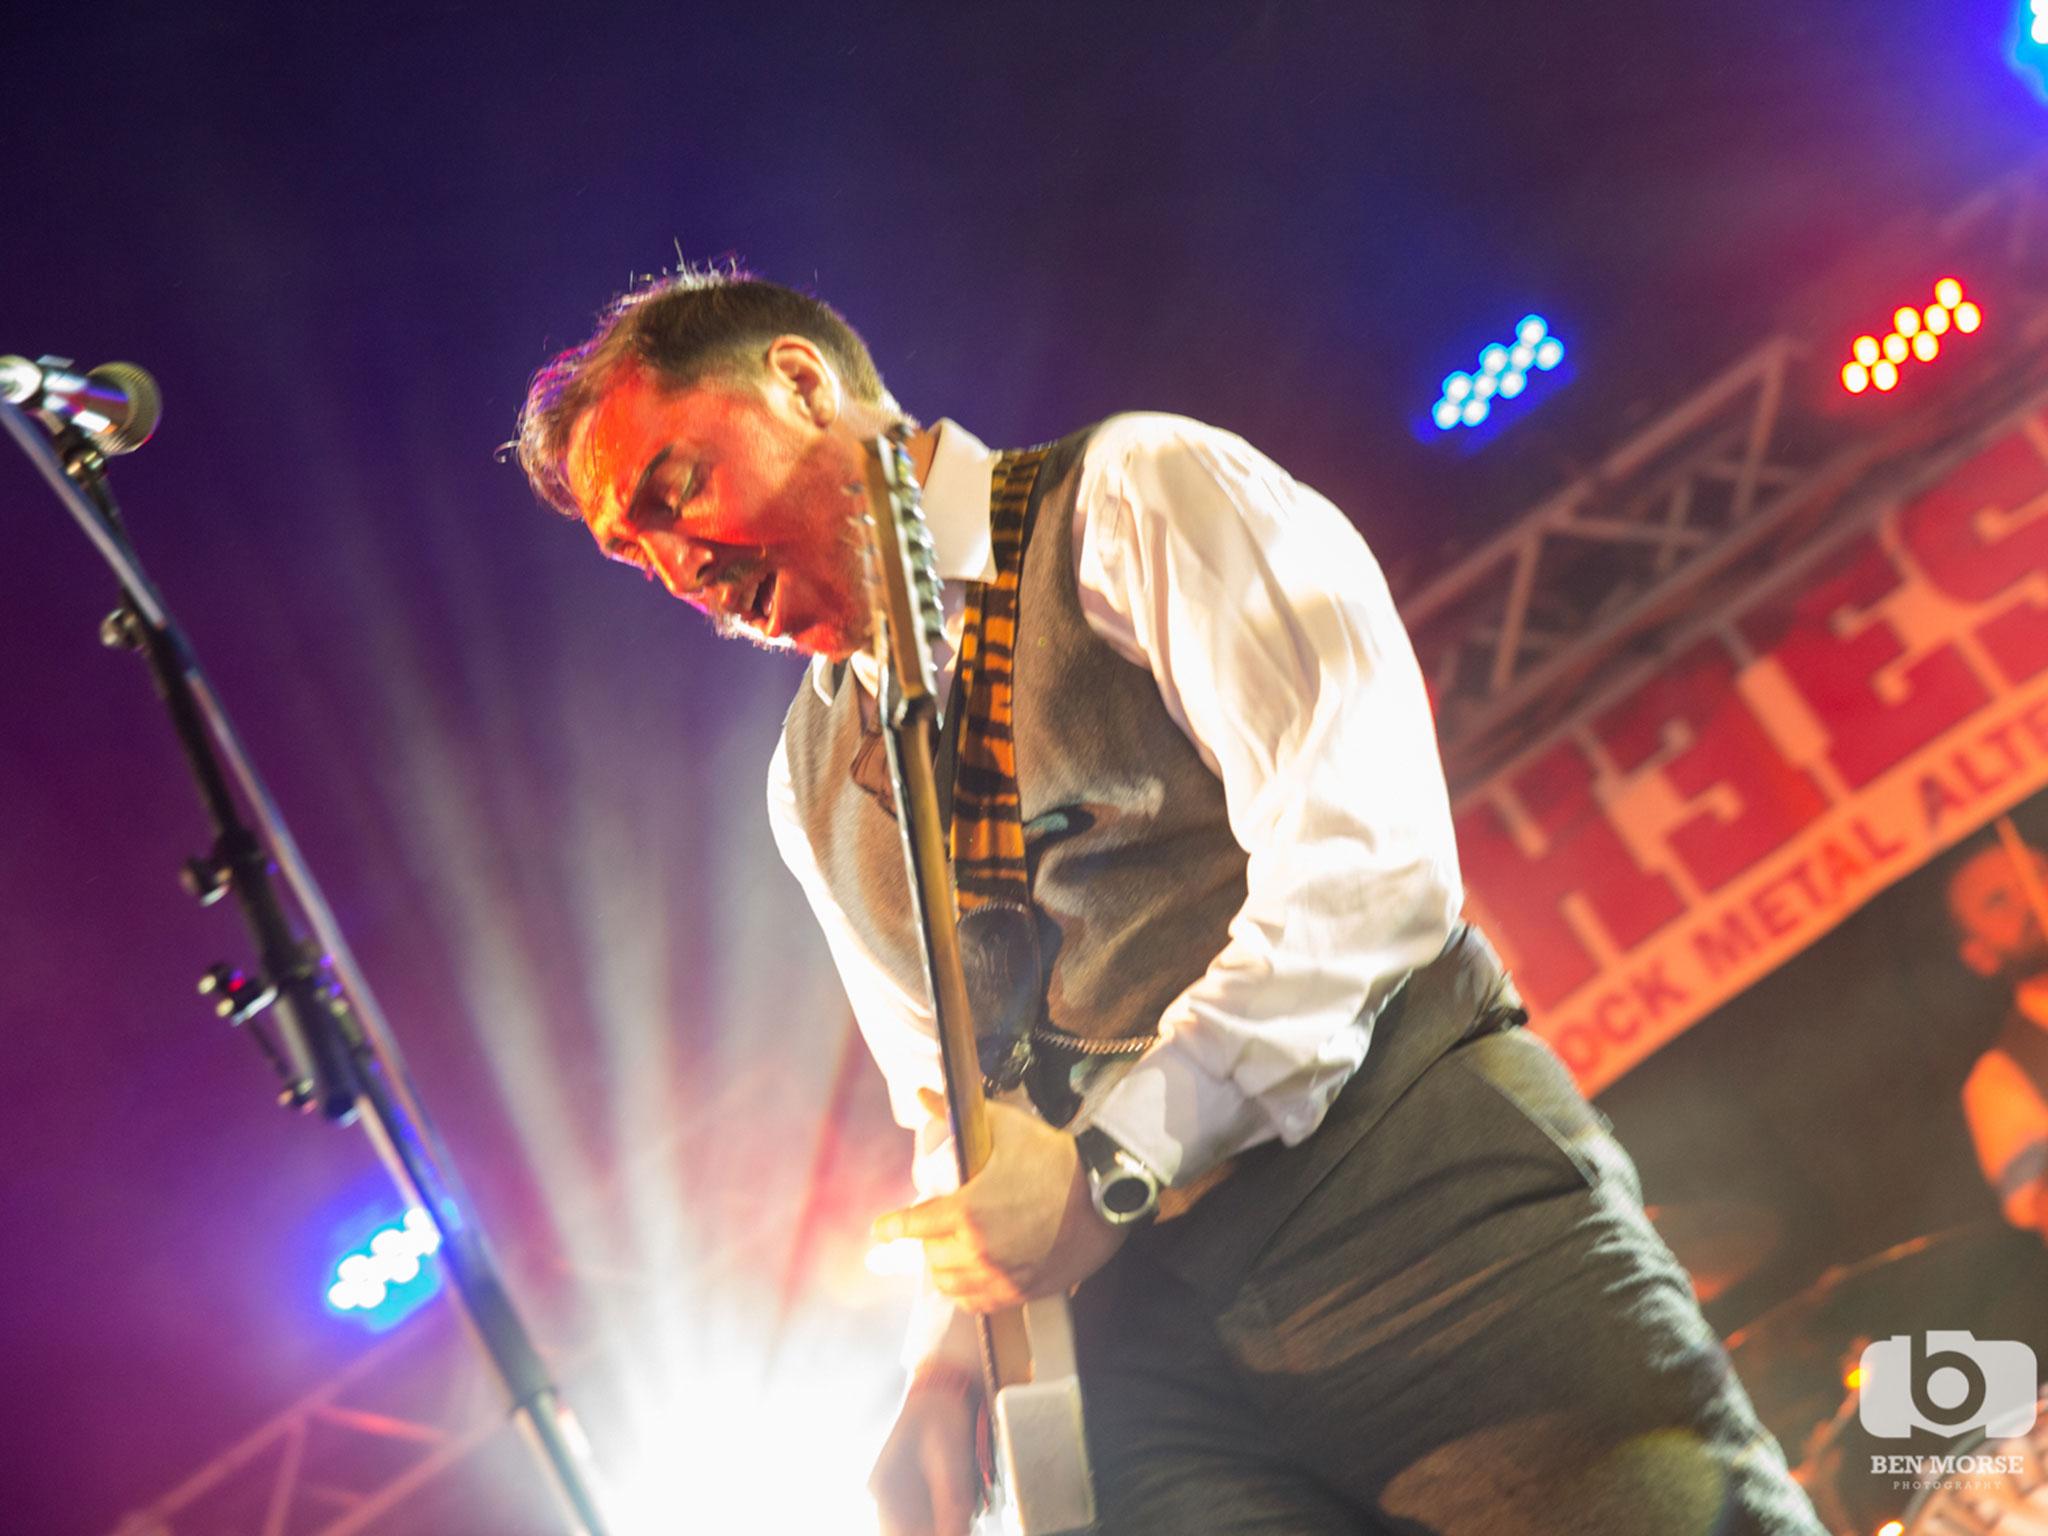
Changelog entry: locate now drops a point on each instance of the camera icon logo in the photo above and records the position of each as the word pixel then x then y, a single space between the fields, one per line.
pixel 1947 1383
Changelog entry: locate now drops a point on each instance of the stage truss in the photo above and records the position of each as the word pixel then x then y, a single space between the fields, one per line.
pixel 1725 483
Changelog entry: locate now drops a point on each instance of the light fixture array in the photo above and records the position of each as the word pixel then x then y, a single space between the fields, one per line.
pixel 1916 335
pixel 393 1258
pixel 1503 373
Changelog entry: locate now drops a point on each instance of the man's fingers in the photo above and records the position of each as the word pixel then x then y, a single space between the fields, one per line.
pixel 976 1290
pixel 934 1102
pixel 979 1302
pixel 932 1218
pixel 957 1268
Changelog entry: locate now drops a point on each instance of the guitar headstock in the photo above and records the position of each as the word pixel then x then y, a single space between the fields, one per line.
pixel 903 566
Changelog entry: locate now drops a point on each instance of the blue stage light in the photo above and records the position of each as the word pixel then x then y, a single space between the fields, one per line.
pixel 2026 47
pixel 389 1277
pixel 1505 371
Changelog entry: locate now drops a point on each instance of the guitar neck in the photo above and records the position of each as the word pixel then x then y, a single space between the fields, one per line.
pixel 910 734
pixel 932 894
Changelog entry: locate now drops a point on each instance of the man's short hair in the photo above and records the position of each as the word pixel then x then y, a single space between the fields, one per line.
pixel 685 327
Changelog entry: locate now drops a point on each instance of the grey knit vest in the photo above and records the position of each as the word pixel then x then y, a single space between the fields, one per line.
pixel 1134 873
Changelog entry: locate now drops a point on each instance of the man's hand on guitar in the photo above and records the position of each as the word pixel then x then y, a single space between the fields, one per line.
pixel 1022 1227
pixel 927 1481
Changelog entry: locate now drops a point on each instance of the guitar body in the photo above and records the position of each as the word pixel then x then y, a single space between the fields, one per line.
pixel 1039 1484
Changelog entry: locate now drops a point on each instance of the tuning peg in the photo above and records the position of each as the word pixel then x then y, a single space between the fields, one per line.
pixel 207 879
pixel 238 997
pixel 121 630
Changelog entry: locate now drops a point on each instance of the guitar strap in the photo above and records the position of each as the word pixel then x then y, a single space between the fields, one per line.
pixel 998 928
pixel 988 821
pixel 998 924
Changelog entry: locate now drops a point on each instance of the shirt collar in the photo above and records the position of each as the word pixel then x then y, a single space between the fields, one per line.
pixel 955 498
pixel 956 495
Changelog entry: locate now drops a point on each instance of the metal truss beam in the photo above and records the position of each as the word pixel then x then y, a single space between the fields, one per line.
pixel 1731 478
pixel 279 1479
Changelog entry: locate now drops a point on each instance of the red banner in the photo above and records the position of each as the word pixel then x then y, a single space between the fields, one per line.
pixel 1860 711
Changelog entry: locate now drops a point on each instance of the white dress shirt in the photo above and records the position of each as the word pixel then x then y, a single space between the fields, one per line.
pixel 1267 625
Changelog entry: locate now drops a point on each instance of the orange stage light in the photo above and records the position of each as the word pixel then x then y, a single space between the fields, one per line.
pixel 1916 334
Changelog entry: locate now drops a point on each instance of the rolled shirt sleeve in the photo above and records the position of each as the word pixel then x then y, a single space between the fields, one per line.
pixel 1268 626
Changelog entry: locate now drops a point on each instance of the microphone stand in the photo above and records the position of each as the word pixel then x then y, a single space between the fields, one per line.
pixel 328 1040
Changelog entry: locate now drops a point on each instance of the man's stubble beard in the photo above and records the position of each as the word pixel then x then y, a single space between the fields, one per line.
pixel 849 603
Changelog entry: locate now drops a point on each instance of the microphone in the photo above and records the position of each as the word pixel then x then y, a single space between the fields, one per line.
pixel 117 403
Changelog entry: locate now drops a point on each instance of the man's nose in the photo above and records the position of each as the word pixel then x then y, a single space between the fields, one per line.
pixel 680 564
pixel 688 566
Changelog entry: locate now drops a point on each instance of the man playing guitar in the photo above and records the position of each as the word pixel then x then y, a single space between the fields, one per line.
pixel 1347 1250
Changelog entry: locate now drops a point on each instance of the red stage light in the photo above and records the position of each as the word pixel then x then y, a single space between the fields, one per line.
pixel 1916 333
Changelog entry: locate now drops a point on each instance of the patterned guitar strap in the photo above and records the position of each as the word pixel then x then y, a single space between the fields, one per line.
pixel 998 927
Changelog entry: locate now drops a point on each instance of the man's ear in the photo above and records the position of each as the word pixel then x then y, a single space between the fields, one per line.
pixel 1979 956
pixel 811 383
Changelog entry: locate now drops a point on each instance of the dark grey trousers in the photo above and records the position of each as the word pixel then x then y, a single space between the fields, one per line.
pixel 1465 1327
